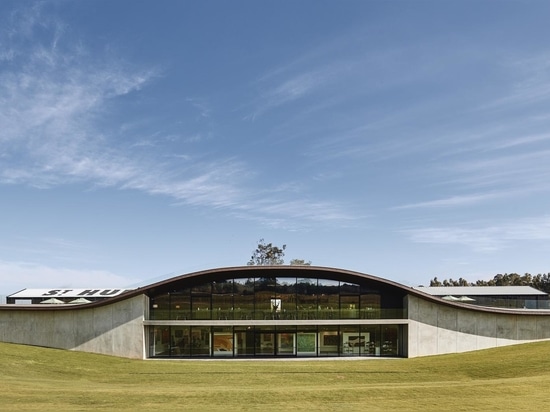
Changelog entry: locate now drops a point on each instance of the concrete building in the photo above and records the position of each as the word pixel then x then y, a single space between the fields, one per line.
pixel 272 311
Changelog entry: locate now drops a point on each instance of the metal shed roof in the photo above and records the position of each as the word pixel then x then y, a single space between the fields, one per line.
pixel 67 293
pixel 481 290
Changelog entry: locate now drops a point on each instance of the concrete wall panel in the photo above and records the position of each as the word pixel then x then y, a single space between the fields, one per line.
pixel 115 329
pixel 543 328
pixel 440 329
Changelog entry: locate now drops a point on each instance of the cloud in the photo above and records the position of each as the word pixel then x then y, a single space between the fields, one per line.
pixel 453 201
pixel 288 90
pixel 50 98
pixel 531 85
pixel 485 239
pixel 201 106
pixel 54 98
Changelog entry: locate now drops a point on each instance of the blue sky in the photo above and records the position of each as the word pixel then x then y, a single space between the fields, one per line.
pixel 140 139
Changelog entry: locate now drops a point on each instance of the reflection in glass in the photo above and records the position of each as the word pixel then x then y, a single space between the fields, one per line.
pixel 286 343
pixel 265 341
pixel 160 307
pixel 243 303
pixel 264 292
pixel 353 342
pixel 303 340
pixel 306 298
pixel 159 341
pixel 328 299
pixel 222 303
pixel 244 341
pixel 200 341
pixel 329 340
pixel 180 341
pixel 286 293
pixel 372 340
pixel 200 306
pixel 306 341
pixel 273 302
pixel 222 341
pixel 349 307
pixel 180 304
pixel 390 341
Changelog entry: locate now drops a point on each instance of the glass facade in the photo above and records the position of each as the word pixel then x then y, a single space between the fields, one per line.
pixel 275 317
pixel 238 341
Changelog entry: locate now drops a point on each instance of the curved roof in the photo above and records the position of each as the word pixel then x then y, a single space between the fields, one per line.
pixel 168 285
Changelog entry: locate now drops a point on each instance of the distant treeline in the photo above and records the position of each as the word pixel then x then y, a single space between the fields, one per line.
pixel 540 281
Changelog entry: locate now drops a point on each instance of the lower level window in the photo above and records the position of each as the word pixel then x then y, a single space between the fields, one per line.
pixel 264 341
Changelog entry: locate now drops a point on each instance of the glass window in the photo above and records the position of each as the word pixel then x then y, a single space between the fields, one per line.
pixel 329 299
pixel 391 305
pixel 390 341
pixel 370 305
pixel 347 288
pixel 372 340
pixel 273 299
pixel 200 341
pixel 306 341
pixel 159 341
pixel 286 293
pixel 349 307
pixel 329 341
pixel 202 288
pixel 286 342
pixel 160 307
pixel 180 341
pixel 222 299
pixel 306 298
pixel 265 341
pixel 244 341
pixel 222 341
pixel 180 304
pixel 200 301
pixel 223 286
pixel 266 301
pixel 244 299
pixel 201 307
pixel 353 342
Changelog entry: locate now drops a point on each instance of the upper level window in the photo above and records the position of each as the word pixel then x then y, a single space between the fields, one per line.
pixel 265 298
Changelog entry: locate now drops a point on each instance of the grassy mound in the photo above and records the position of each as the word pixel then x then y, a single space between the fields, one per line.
pixel 510 378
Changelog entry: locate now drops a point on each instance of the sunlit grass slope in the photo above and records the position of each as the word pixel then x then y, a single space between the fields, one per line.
pixel 506 379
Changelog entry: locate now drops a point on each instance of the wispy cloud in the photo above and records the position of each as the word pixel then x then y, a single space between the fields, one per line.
pixel 54 96
pixel 453 201
pixel 201 106
pixel 486 238
pixel 532 84
pixel 290 89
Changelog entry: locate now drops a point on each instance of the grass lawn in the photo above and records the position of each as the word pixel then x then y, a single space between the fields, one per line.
pixel 513 378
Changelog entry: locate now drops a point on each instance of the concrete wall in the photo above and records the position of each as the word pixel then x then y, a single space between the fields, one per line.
pixel 437 329
pixel 114 329
pixel 118 328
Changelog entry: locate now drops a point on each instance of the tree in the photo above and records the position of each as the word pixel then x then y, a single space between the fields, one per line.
pixel 300 262
pixel 267 254
pixel 435 282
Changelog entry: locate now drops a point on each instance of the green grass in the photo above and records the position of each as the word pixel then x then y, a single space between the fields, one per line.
pixel 513 378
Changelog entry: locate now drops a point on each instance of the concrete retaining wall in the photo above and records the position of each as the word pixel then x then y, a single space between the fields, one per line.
pixel 437 329
pixel 118 328
pixel 113 329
